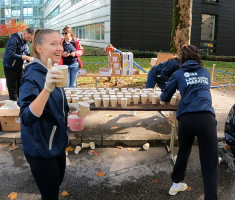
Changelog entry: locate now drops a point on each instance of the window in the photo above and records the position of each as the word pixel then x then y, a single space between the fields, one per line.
pixel 54 13
pixel 210 1
pixel 74 1
pixel 90 32
pixel 47 3
pixel 28 12
pixel 208 33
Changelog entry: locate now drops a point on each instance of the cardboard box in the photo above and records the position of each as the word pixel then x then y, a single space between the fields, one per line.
pixel 127 56
pixel 117 72
pixel 10 120
pixel 163 57
pixel 101 73
pixel 115 57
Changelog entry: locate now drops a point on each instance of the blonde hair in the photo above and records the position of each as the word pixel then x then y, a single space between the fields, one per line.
pixel 39 36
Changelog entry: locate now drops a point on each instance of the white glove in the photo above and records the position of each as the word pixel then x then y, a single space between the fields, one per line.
pixel 53 76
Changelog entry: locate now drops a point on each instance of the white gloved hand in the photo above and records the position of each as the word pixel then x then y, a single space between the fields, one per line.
pixel 53 76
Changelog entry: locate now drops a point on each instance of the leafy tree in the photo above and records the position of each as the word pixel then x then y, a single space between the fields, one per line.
pixel 11 27
pixel 181 26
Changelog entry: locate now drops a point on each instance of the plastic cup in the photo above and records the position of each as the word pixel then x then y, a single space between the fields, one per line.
pixel 75 99
pixel 83 109
pixel 77 149
pixel 114 102
pixel 146 146
pixel 85 145
pixel 143 99
pixel 123 102
pixel 105 96
pixel 154 99
pixel 92 145
pixel 84 99
pixel 64 69
pixel 75 122
pixel 97 102
pixel 68 99
pixel 119 98
pixel 136 99
pixel 128 99
pixel 106 102
pixel 173 100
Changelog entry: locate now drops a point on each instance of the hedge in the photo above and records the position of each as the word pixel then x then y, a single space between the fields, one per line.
pixel 3 41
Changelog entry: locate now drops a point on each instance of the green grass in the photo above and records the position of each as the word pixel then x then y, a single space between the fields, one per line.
pixel 93 63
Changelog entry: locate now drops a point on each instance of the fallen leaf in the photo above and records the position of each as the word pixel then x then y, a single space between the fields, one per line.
pixel 227 147
pixel 119 147
pixel 114 127
pixel 13 195
pixel 100 174
pixel 189 188
pixel 64 193
pixel 13 147
pixel 115 153
pixel 159 125
pixel 155 181
pixel 130 149
pixel 6 144
pixel 69 149
pixel 222 128
pixel 159 135
pixel 108 115
pixel 108 121
pixel 90 129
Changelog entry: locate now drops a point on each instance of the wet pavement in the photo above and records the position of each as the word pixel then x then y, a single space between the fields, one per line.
pixel 130 173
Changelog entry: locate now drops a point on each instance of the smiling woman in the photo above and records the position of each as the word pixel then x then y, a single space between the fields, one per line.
pixel 44 114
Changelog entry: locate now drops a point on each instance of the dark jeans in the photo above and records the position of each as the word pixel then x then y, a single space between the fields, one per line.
pixel 152 79
pixel 203 126
pixel 48 174
pixel 13 78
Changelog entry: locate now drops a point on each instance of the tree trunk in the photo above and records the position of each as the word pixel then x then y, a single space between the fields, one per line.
pixel 181 26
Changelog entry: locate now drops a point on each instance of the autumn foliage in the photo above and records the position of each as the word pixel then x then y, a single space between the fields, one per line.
pixel 12 26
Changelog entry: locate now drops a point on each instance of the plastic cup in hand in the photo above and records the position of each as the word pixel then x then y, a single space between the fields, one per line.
pixel 64 69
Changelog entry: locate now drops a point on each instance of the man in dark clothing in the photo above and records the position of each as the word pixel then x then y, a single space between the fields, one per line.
pixel 16 53
pixel 161 73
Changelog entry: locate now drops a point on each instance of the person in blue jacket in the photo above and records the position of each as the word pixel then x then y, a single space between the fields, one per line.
pixel 43 114
pixel 16 53
pixel 161 73
pixel 196 118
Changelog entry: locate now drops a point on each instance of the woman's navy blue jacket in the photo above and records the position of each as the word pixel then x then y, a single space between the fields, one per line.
pixel 46 135
pixel 193 82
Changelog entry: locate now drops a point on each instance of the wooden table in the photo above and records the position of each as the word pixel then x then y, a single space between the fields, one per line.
pixel 95 77
pixel 150 107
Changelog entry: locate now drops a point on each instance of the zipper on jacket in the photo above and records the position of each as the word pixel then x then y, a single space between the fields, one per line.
pixel 64 112
pixel 51 137
pixel 13 63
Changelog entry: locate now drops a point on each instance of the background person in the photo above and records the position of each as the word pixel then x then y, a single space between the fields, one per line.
pixel 17 51
pixel 43 113
pixel 71 56
pixel 161 73
pixel 196 118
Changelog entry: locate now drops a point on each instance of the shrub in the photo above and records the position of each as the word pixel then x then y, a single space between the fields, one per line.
pixel 3 41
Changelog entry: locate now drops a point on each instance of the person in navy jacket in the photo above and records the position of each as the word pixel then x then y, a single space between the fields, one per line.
pixel 43 114
pixel 17 52
pixel 161 73
pixel 196 118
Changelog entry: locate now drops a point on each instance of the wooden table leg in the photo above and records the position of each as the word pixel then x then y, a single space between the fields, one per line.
pixel 173 133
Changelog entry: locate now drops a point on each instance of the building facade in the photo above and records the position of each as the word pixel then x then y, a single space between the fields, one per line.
pixel 89 19
pixel 28 11
pixel 147 24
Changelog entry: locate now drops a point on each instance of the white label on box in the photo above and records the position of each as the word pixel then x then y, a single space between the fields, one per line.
pixel 117 72
pixel 116 65
pixel 115 59
pixel 17 120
